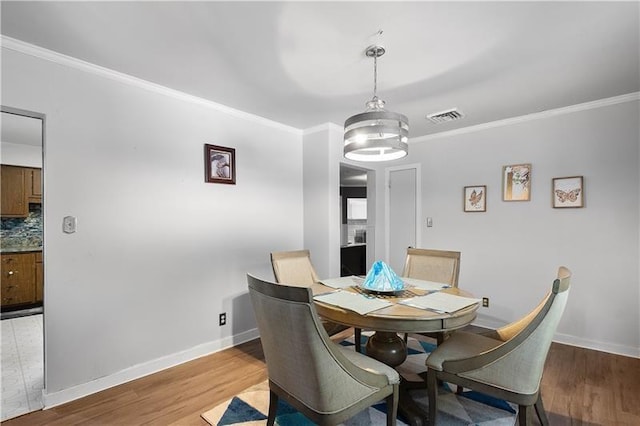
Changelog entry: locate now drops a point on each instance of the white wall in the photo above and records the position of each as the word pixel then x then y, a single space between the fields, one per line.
pixel 21 155
pixel 158 253
pixel 511 253
pixel 321 165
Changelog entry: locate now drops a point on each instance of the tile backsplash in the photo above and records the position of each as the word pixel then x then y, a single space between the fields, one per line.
pixel 22 232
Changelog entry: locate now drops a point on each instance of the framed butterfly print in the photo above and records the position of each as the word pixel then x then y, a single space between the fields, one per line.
pixel 567 192
pixel 475 198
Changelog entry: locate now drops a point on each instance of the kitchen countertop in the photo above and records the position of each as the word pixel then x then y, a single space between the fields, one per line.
pixel 8 250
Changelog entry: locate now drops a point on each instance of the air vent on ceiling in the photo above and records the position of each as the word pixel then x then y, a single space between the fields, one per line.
pixel 445 116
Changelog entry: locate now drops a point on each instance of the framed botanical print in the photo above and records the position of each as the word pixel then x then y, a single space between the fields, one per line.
pixel 475 198
pixel 567 192
pixel 516 182
pixel 219 164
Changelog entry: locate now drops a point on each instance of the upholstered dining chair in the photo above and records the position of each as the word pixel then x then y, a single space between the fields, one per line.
pixel 320 378
pixel 506 363
pixel 295 268
pixel 441 266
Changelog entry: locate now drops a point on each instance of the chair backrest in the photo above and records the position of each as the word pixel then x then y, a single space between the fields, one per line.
pixel 527 341
pixel 440 266
pixel 301 359
pixel 293 268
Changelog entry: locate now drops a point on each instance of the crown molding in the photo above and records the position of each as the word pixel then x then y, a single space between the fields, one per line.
pixel 629 97
pixel 78 64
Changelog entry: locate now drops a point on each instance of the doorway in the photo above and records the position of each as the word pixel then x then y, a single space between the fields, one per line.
pixel 22 308
pixel 403 213
pixel 356 220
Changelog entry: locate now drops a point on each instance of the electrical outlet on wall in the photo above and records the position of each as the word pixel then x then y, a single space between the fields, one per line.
pixel 223 319
pixel 485 302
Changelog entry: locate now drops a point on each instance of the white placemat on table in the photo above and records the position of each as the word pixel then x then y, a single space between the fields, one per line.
pixel 441 302
pixel 343 282
pixel 353 301
pixel 424 285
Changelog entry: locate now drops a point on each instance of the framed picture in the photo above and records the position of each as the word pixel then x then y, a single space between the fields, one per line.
pixel 516 182
pixel 475 198
pixel 567 192
pixel 219 164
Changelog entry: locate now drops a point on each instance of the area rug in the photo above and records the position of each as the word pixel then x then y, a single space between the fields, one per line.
pixel 250 407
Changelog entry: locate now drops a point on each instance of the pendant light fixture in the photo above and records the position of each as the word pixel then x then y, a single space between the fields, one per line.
pixel 376 134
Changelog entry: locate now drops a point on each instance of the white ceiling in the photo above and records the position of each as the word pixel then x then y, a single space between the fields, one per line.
pixel 303 63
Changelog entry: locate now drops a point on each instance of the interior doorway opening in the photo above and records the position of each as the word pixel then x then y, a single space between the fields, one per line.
pixel 357 213
pixel 22 227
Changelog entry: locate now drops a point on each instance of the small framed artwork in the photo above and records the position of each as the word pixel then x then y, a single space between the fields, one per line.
pixel 567 192
pixel 219 164
pixel 516 182
pixel 475 198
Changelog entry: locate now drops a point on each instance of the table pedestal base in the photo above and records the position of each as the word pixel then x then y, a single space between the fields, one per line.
pixel 387 347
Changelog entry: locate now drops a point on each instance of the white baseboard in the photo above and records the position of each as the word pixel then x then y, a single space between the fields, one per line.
pixel 137 371
pixel 613 348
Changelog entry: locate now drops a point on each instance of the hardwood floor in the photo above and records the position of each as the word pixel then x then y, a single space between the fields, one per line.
pixel 579 387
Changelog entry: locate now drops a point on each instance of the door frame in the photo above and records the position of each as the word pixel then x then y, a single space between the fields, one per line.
pixel 371 208
pixel 387 186
pixel 42 117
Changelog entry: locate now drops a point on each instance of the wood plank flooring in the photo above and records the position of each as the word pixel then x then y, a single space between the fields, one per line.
pixel 580 387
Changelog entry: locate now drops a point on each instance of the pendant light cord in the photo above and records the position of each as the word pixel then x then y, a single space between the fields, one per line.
pixel 375 77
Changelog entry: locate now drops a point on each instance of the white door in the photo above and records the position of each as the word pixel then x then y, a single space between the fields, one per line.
pixel 403 212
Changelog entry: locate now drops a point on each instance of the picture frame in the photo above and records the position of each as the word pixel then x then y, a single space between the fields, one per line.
pixel 516 182
pixel 475 198
pixel 567 192
pixel 219 164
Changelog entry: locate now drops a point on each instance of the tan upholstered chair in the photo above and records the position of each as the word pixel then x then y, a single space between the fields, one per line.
pixel 295 268
pixel 321 379
pixel 506 363
pixel 440 266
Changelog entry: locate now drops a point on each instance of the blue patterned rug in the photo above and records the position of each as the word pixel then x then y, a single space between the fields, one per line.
pixel 250 407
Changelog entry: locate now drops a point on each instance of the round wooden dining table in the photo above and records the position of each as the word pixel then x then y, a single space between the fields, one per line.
pixel 386 345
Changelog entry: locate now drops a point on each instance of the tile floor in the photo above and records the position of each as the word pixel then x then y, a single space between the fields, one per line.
pixel 22 365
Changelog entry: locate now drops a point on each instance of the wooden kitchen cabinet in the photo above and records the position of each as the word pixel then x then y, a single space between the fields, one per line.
pixel 39 277
pixel 20 186
pixel 33 185
pixel 14 197
pixel 18 278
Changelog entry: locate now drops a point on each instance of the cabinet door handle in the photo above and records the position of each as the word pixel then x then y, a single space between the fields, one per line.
pixel 12 272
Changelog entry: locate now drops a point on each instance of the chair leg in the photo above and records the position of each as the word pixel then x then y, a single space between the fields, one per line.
pixel 273 408
pixel 524 415
pixel 542 415
pixel 392 406
pixel 432 392
pixel 358 339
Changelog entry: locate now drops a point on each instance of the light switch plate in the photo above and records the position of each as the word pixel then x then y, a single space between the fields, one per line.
pixel 429 222
pixel 69 224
